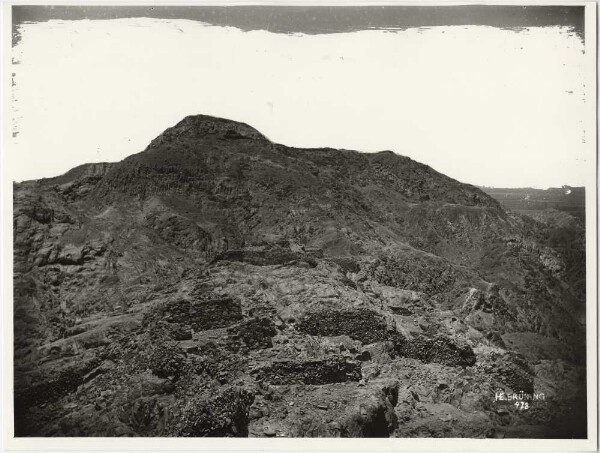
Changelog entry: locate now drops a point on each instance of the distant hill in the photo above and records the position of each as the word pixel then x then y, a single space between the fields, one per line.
pixel 566 198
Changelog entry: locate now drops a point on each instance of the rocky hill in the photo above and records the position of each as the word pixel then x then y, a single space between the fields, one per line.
pixel 219 284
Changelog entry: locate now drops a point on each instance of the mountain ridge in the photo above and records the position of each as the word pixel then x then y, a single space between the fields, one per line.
pixel 201 126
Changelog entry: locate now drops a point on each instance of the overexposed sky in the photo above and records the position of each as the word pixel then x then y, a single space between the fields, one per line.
pixel 483 105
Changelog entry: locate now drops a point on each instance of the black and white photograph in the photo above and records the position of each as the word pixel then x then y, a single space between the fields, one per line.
pixel 289 221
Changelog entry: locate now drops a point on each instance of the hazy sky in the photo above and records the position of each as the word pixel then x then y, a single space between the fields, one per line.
pixel 483 105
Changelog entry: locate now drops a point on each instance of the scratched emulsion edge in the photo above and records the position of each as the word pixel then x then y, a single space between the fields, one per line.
pixel 312 20
pixel 16 37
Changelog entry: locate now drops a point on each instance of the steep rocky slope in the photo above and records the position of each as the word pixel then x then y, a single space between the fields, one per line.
pixel 218 284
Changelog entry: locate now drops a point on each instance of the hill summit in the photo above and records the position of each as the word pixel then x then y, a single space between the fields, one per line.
pixel 220 284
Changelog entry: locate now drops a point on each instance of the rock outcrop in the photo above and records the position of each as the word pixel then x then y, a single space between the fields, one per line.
pixel 219 284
